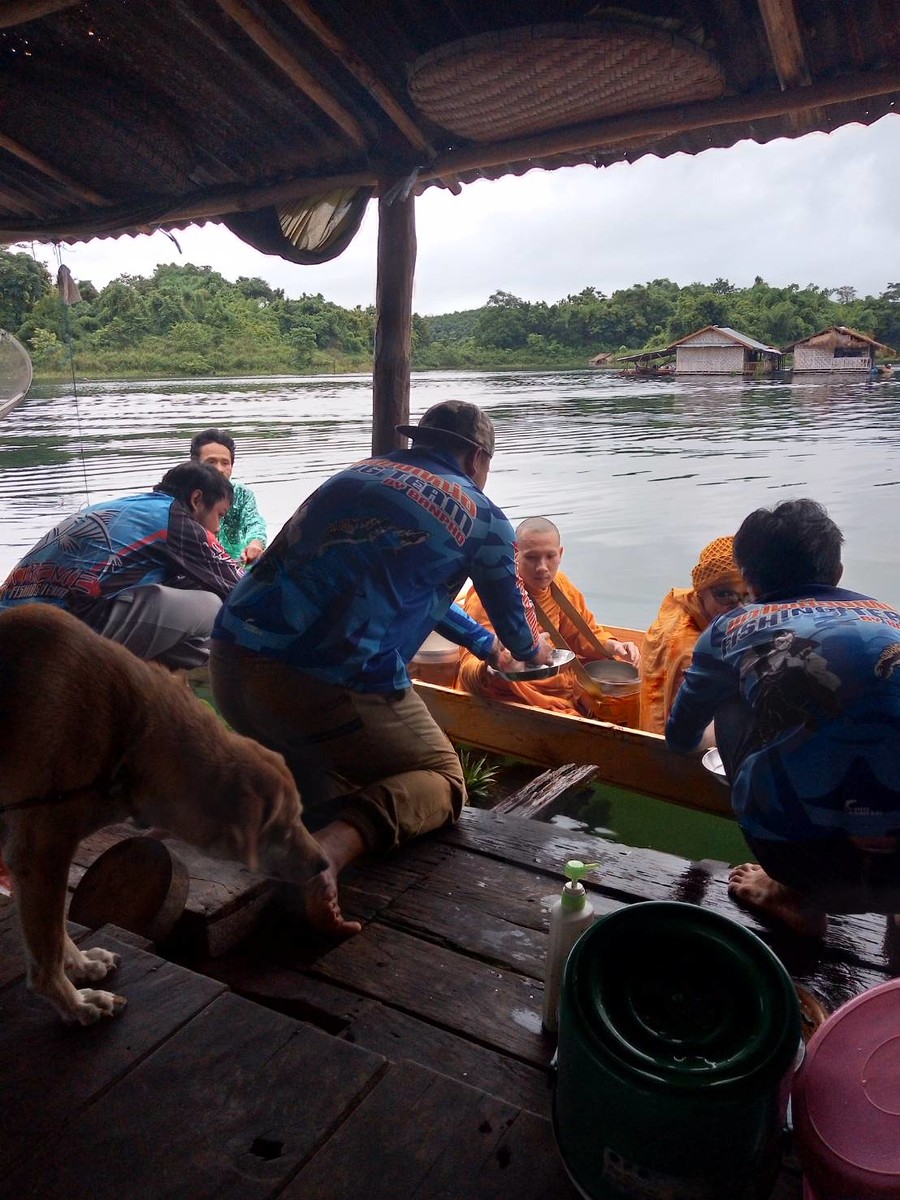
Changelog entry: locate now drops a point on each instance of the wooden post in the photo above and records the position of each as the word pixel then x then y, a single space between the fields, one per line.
pixel 393 321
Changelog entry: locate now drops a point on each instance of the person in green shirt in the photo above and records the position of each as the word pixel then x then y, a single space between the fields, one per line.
pixel 243 531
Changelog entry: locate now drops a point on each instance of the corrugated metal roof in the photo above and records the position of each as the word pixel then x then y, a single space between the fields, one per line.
pixel 126 115
pixel 732 335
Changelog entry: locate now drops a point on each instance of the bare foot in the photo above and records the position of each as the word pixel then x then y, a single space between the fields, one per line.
pixel 342 844
pixel 750 886
pixel 323 910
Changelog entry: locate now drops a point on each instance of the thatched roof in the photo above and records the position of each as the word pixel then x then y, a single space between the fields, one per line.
pixel 839 337
pixel 128 115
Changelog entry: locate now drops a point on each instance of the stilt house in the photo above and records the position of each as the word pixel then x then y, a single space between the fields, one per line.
pixel 836 349
pixel 718 350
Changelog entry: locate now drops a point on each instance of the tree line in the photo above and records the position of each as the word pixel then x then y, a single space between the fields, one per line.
pixel 186 320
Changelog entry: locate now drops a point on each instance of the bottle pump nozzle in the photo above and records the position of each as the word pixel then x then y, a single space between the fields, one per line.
pixel 573 894
pixel 576 870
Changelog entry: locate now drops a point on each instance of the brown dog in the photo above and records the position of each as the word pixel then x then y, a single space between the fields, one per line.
pixel 90 735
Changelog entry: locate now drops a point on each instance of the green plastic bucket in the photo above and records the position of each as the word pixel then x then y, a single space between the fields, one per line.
pixel 679 1032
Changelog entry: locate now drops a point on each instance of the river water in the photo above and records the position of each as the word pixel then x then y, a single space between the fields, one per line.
pixel 639 474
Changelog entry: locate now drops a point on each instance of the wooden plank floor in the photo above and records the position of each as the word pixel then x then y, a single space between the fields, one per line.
pixel 448 971
pixel 196 1092
pixel 408 1061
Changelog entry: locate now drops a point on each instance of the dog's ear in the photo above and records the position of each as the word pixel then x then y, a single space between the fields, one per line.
pixel 246 842
pixel 281 808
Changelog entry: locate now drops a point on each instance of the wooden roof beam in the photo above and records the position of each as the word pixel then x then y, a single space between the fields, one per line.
pixel 270 45
pixel 785 42
pixel 664 122
pixel 789 58
pixel 19 12
pixel 362 72
pixel 17 150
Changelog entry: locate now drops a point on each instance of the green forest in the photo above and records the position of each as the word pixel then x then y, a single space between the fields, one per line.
pixel 190 321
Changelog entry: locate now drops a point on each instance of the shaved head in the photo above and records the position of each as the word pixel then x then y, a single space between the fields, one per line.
pixel 532 525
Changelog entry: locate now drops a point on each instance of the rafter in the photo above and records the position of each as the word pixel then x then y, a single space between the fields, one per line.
pixel 625 130
pixel 272 47
pixel 17 150
pixel 362 72
pixel 789 58
pixel 785 42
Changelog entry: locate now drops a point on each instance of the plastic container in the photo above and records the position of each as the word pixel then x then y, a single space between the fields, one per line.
pixel 436 661
pixel 679 1032
pixel 570 916
pixel 846 1101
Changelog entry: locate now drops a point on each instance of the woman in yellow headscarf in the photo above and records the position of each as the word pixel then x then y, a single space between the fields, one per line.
pixel 718 586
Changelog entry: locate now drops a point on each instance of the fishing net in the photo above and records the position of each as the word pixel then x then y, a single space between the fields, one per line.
pixel 15 372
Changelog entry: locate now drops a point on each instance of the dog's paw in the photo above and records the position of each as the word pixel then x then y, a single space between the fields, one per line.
pixel 93 964
pixel 91 1006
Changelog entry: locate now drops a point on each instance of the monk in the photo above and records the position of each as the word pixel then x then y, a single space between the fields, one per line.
pixel 718 587
pixel 539 552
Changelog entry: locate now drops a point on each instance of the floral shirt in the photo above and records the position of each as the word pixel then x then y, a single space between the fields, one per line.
pixel 242 523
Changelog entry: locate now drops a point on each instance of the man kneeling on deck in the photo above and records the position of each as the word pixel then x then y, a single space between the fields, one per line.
pixel 803 685
pixel 310 653
pixel 145 571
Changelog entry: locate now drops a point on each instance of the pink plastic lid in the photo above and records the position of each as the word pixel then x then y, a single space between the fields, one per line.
pixel 846 1100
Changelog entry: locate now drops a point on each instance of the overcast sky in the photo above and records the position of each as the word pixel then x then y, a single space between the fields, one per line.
pixel 822 209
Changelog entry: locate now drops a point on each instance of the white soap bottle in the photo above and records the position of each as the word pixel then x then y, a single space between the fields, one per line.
pixel 570 916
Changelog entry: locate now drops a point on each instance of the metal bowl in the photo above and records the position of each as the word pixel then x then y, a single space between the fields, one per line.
pixel 712 760
pixel 615 677
pixel 558 660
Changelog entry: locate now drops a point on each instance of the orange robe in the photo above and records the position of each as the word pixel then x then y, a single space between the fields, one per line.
pixel 668 649
pixel 560 693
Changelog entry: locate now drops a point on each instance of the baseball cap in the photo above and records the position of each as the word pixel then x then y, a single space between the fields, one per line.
pixel 455 421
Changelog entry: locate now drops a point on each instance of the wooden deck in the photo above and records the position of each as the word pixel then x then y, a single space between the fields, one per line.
pixel 407 1062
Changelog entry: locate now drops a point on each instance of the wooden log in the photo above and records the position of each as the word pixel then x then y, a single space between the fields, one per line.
pixel 536 798
pixel 393 328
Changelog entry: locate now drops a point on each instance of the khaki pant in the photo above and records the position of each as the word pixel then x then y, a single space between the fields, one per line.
pixel 378 761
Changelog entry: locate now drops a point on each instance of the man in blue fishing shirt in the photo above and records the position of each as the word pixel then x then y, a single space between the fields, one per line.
pixel 310 652
pixel 145 571
pixel 804 687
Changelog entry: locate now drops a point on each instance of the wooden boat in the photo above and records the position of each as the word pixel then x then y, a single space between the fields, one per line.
pixel 627 758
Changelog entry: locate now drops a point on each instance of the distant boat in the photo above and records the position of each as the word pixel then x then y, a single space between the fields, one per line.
pixel 15 372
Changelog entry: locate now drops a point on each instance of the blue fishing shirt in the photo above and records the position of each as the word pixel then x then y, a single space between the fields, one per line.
pixel 96 553
pixel 819 676
pixel 369 565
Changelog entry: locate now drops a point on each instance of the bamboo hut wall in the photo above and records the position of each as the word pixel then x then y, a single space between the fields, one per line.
pixel 699 359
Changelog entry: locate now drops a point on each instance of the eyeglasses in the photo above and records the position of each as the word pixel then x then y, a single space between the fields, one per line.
pixel 728 595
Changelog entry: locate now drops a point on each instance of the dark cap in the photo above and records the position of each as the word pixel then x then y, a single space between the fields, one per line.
pixel 454 421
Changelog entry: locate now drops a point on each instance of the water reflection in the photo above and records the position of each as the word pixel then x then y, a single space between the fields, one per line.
pixel 638 473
